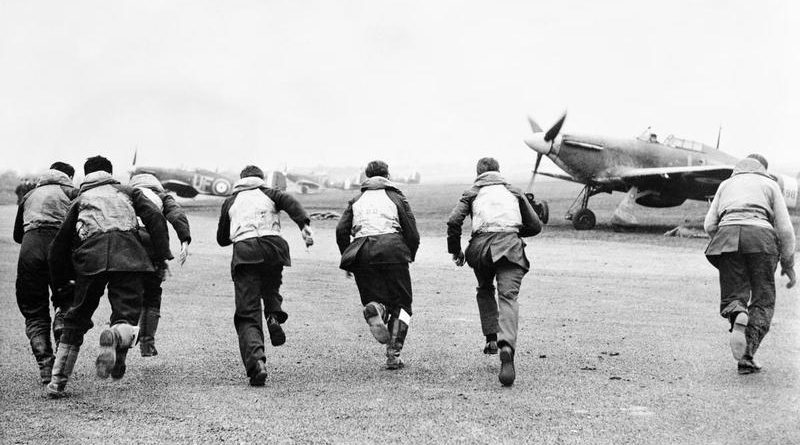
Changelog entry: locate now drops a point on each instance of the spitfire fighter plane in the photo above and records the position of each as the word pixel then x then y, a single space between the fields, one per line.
pixel 190 183
pixel 654 173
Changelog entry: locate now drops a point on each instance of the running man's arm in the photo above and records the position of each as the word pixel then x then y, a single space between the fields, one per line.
pixel 224 225
pixel 456 220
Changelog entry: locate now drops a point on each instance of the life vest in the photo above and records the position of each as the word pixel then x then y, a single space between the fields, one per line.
pixel 104 209
pixel 45 206
pixel 495 209
pixel 253 214
pixel 374 213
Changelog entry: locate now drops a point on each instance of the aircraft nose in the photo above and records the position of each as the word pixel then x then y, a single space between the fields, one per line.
pixel 538 144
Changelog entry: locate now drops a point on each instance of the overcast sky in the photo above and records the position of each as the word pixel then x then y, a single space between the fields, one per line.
pixel 298 83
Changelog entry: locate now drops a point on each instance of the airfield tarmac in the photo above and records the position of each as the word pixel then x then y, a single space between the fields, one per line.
pixel 620 342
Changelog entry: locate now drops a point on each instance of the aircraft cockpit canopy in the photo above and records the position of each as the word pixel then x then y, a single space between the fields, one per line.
pixel 648 136
pixel 685 144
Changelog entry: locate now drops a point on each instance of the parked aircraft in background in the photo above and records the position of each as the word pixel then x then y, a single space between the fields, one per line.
pixel 654 173
pixel 307 183
pixel 413 178
pixel 190 183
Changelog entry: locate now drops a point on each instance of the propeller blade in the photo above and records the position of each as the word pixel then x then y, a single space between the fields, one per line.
pixel 536 166
pixel 534 126
pixel 135 152
pixel 555 129
pixel 535 169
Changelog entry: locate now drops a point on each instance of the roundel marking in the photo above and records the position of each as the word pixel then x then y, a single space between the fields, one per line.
pixel 221 186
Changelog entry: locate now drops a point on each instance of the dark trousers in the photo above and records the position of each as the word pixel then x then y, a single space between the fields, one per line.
pixel 125 292
pixel 33 282
pixel 747 284
pixel 152 290
pixel 388 284
pixel 500 316
pixel 254 284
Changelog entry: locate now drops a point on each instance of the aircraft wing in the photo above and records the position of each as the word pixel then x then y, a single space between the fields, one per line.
pixel 710 171
pixel 310 184
pixel 696 182
pixel 182 189
pixel 558 176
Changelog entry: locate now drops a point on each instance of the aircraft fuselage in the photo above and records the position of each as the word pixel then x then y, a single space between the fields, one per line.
pixel 599 160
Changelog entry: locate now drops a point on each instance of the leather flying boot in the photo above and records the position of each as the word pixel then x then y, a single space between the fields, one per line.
pixel 128 335
pixel 276 335
pixel 507 372
pixel 259 375
pixel 58 326
pixel 398 328
pixel 114 344
pixel 43 351
pixel 148 324
pixel 747 365
pixel 375 314
pixel 66 356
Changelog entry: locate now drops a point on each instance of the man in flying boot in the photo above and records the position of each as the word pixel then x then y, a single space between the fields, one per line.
pixel 501 216
pixel 151 187
pixel 39 216
pixel 751 233
pixel 250 220
pixel 99 244
pixel 384 241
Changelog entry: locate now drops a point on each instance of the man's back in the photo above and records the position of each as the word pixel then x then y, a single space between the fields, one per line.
pixel 495 209
pixel 104 209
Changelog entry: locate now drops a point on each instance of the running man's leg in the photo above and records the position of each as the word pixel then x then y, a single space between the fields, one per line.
pixel 247 319
pixel 487 304
pixel 271 280
pixel 761 268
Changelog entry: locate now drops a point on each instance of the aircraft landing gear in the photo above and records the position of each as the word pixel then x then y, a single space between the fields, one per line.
pixel 541 208
pixel 583 218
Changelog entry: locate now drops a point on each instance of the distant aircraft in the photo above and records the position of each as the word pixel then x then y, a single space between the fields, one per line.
pixel 653 173
pixel 413 178
pixel 307 183
pixel 190 183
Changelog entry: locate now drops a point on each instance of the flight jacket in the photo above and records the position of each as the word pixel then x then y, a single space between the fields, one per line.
pixel 100 232
pixel 152 188
pixel 748 214
pixel 250 220
pixel 384 231
pixel 497 225
pixel 45 207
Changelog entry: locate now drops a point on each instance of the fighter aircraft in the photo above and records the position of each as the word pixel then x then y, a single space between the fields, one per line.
pixel 652 172
pixel 307 183
pixel 190 183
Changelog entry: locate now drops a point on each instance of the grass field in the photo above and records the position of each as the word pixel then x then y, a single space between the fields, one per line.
pixel 620 342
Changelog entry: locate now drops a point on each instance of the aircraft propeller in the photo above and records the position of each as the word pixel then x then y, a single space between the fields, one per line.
pixel 555 129
pixel 534 126
pixel 550 136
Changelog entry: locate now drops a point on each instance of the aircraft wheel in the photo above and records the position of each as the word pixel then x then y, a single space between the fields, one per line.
pixel 584 220
pixel 544 212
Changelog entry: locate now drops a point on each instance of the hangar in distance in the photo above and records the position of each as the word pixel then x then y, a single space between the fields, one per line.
pixel 653 173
